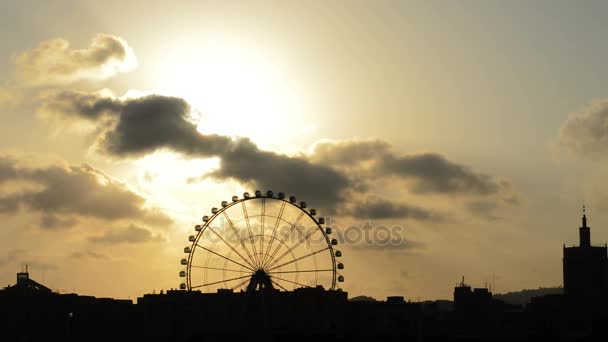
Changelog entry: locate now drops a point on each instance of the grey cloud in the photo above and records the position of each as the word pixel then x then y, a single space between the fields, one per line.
pixel 135 127
pixel 484 208
pixel 7 169
pixel 586 133
pixel 401 245
pixel 155 122
pixel 377 208
pixel 75 104
pixel 433 173
pixel 318 184
pixel 429 172
pixel 132 234
pixel 63 192
pixel 54 61
pixel 138 126
pixel 9 203
pixel 50 221
pixel 349 151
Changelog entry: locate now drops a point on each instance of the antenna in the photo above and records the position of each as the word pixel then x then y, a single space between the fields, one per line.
pixel 584 208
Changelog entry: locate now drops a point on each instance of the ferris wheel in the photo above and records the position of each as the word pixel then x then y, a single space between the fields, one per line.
pixel 261 243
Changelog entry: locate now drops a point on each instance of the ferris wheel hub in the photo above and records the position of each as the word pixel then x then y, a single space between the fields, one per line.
pixel 260 281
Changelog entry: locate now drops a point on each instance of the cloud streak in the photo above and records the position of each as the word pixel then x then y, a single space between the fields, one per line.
pixel 378 208
pixel 132 235
pixel 62 193
pixel 54 61
pixel 428 172
pixel 585 133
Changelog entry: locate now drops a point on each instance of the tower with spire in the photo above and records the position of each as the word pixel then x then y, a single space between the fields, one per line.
pixel 585 266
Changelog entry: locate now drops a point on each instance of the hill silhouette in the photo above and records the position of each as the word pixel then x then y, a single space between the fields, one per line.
pixel 524 297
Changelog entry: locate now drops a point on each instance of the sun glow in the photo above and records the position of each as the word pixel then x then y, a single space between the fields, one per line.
pixel 238 91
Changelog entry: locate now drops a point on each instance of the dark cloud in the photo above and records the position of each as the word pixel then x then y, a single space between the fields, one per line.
pixel 75 104
pixel 484 208
pixel 377 208
pixel 53 61
pixel 7 169
pixel 62 192
pixel 433 173
pixel 152 123
pixel 349 152
pixel 131 234
pixel 586 133
pixel 366 161
pixel 318 184
pixel 9 203
pixel 326 177
pixel 51 222
pixel 428 172
pixel 139 126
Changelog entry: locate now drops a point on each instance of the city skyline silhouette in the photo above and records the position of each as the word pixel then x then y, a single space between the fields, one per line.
pixel 379 150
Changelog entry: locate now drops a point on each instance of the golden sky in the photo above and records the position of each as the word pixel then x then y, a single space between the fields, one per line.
pixel 477 127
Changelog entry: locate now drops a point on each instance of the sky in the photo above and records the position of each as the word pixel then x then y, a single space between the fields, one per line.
pixel 475 130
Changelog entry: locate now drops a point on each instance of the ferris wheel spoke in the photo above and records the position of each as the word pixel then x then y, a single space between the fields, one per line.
pixel 255 252
pixel 221 256
pixel 278 285
pixel 263 214
pixel 238 236
pixel 221 281
pixel 215 268
pixel 328 270
pixel 240 284
pixel 289 281
pixel 286 257
pixel 274 231
pixel 298 259
pixel 293 247
pixel 293 226
pixel 231 247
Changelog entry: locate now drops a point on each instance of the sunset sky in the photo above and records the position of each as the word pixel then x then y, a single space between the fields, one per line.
pixel 478 127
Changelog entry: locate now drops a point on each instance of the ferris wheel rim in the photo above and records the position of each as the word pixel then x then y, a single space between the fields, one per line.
pixel 251 268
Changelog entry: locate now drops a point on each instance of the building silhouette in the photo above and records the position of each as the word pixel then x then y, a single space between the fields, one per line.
pixel 585 267
pixel 467 299
pixel 29 311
